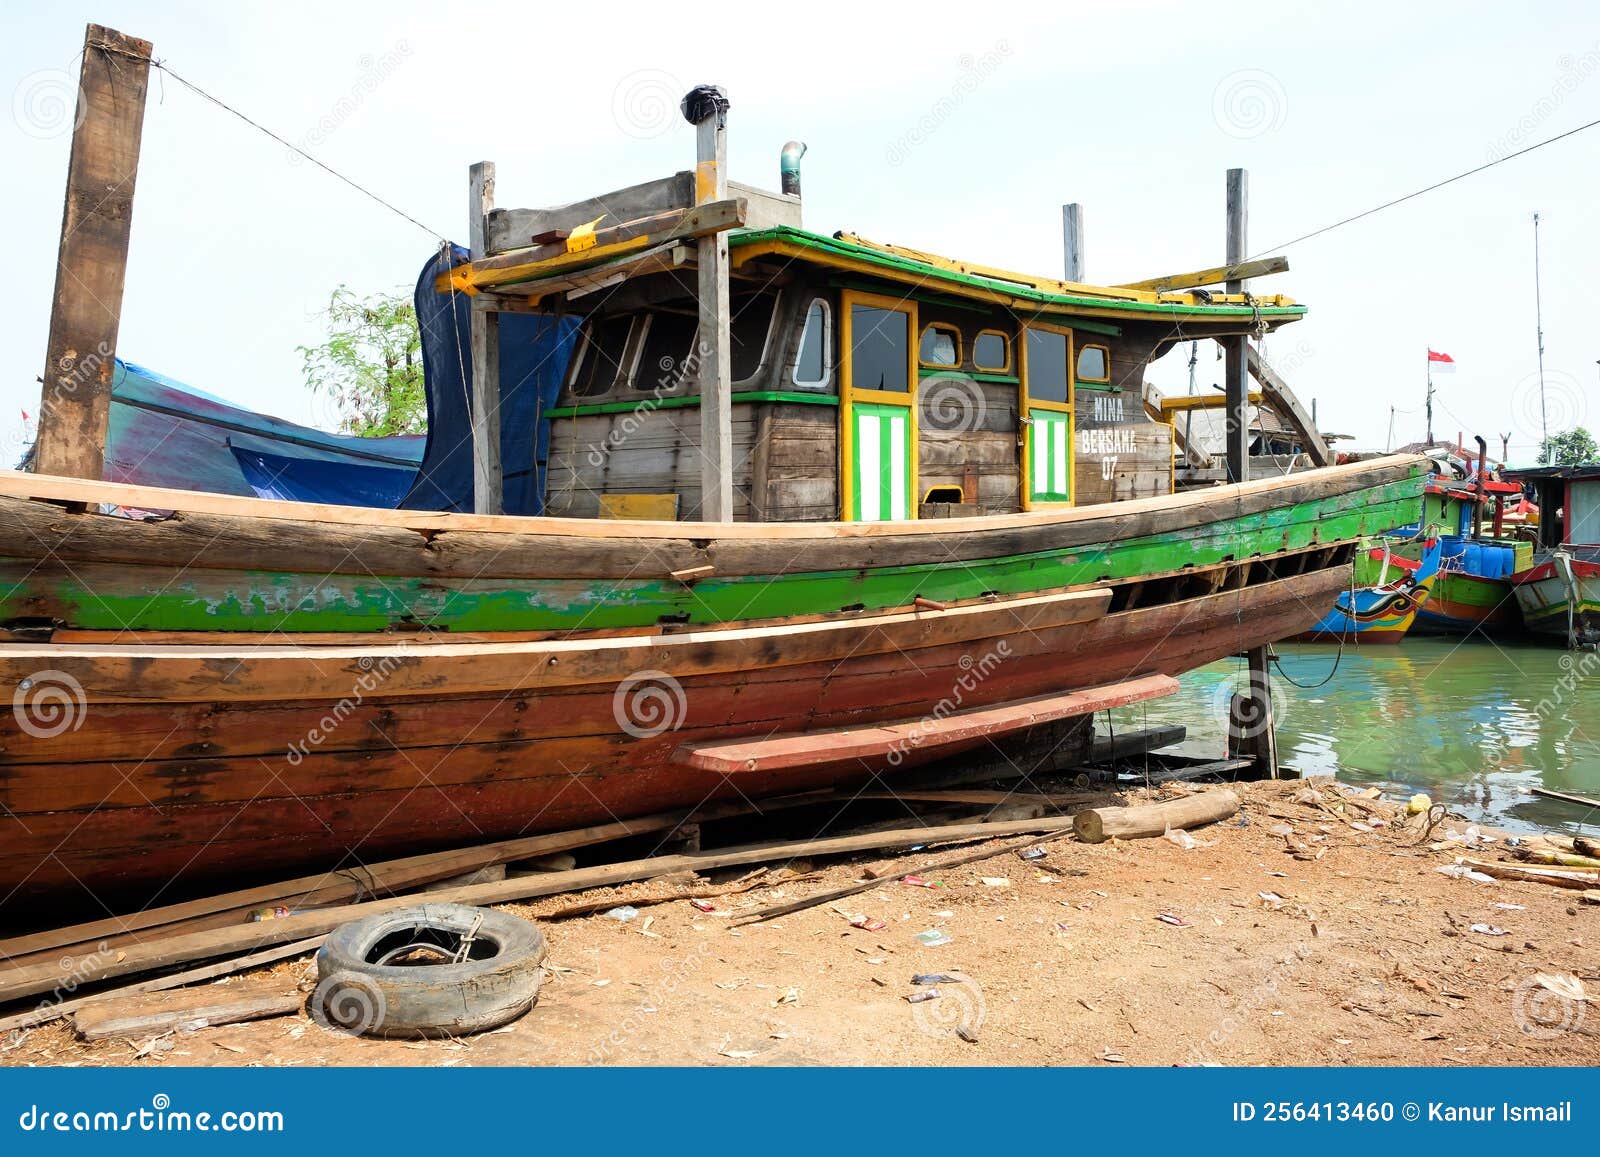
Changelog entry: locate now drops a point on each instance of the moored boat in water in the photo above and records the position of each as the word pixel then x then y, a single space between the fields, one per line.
pixel 1387 590
pixel 1559 593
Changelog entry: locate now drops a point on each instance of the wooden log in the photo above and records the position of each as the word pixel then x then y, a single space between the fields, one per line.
pixel 1072 241
pixel 1097 825
pixel 716 316
pixel 325 888
pixel 55 1010
pixel 1580 881
pixel 1566 797
pixel 171 951
pixel 153 1013
pixel 86 309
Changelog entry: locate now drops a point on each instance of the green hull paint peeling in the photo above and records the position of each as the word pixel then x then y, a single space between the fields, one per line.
pixel 257 601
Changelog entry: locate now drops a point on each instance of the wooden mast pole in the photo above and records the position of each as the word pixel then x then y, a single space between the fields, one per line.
pixel 706 107
pixel 1251 722
pixel 81 353
pixel 1072 240
pixel 488 489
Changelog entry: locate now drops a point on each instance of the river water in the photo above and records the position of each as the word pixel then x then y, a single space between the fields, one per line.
pixel 1473 724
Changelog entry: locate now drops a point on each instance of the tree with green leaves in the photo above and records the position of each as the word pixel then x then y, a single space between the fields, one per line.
pixel 1574 447
pixel 371 364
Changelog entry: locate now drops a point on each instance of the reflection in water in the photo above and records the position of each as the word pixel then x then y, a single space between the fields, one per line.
pixel 1472 724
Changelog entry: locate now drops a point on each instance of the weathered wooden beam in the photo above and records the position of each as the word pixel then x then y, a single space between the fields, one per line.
pixel 488 479
pixel 576 283
pixel 1217 275
pixel 1072 241
pixel 707 109
pixel 509 271
pixel 1178 403
pixel 510 229
pixel 1236 375
pixel 86 310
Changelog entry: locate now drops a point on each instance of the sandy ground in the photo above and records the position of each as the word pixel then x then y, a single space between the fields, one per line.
pixel 1361 953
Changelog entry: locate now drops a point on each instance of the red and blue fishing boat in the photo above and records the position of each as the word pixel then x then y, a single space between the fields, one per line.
pixel 1387 591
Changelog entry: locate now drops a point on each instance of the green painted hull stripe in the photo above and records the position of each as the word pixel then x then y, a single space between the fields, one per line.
pixel 256 601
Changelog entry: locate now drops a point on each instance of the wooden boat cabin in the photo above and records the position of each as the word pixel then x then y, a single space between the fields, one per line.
pixel 868 381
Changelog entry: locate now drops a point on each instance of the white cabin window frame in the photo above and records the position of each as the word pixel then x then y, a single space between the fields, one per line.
pixel 825 383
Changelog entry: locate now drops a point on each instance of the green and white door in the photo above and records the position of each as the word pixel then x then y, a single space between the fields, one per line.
pixel 878 409
pixel 1046 415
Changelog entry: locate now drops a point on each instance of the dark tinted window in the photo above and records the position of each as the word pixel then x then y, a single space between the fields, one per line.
pixel 752 318
pixel 1047 365
pixel 811 367
pixel 602 356
pixel 880 348
pixel 989 352
pixel 668 353
pixel 1092 364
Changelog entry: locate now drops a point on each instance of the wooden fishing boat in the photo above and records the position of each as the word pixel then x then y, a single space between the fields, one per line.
pixel 1560 592
pixel 819 509
pixel 1386 592
pixel 1473 592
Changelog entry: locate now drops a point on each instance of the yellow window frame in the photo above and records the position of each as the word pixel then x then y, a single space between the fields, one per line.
pixel 1006 340
pixel 953 332
pixel 849 395
pixel 1105 354
pixel 1028 405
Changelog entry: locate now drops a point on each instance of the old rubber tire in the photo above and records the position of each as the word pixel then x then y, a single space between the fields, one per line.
pixel 427 1000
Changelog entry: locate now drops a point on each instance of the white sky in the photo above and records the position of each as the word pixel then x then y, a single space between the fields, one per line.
pixel 1123 107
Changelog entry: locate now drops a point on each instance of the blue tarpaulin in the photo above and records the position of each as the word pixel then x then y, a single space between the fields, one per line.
pixel 534 351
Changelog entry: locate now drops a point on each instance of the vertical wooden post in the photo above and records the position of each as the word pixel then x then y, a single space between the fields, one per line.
pixel 1260 738
pixel 1236 351
pixel 706 108
pixel 81 354
pixel 1072 240
pixel 488 489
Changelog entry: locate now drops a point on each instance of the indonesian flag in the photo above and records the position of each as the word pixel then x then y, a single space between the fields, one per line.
pixel 1439 363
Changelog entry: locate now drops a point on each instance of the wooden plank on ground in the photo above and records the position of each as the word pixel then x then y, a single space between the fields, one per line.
pixel 16 983
pixel 55 1010
pixel 152 1013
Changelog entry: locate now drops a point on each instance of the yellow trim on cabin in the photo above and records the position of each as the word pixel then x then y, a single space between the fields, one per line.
pixel 849 395
pixel 744 254
pixel 1026 406
pixel 953 332
pixel 1180 403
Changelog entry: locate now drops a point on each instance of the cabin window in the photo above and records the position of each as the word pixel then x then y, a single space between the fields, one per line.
pixel 811 364
pixel 668 352
pixel 880 347
pixel 941 346
pixel 604 357
pixel 1047 365
pixel 991 350
pixel 752 320
pixel 1094 364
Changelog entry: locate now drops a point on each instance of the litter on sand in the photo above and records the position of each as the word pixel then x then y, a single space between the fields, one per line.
pixel 934 937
